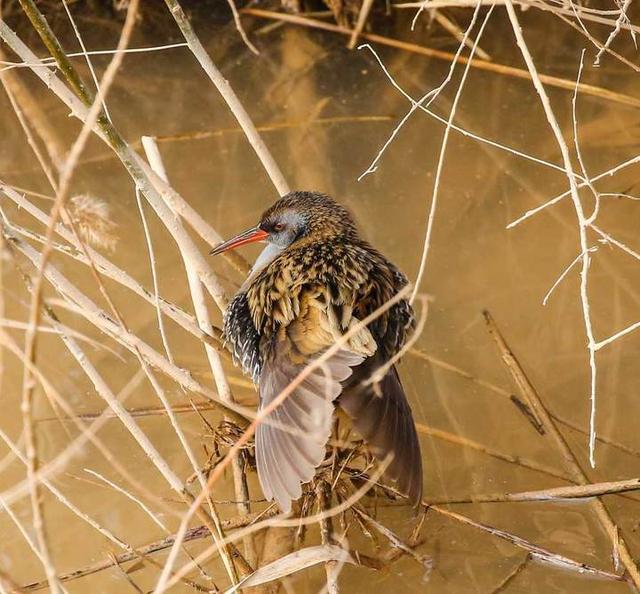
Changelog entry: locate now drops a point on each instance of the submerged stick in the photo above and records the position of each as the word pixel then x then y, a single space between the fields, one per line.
pixel 554 494
pixel 534 550
pixel 571 462
pixel 547 79
pixel 197 533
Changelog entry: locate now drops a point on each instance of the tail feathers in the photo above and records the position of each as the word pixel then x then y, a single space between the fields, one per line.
pixel 386 424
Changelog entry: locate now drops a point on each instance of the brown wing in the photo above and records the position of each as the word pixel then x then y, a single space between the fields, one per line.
pixel 291 441
pixel 381 414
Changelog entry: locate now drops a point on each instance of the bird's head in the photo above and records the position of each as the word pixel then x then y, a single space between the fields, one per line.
pixel 297 216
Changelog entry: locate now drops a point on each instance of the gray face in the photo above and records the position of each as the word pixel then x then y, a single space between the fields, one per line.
pixel 284 228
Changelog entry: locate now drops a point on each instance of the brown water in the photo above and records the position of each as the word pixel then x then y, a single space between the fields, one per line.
pixel 326 113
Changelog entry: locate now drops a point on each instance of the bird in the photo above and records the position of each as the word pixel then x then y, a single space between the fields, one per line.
pixel 311 287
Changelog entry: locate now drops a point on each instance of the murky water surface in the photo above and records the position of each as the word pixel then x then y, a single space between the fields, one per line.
pixel 325 113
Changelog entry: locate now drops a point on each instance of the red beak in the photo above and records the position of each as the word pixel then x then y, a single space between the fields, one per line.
pixel 249 236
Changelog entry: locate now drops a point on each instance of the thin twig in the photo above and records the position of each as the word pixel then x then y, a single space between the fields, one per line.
pixel 443 149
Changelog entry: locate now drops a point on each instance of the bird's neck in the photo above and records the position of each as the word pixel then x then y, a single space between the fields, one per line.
pixel 267 255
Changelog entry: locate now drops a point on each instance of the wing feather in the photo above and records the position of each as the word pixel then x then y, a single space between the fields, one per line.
pixel 386 424
pixel 291 440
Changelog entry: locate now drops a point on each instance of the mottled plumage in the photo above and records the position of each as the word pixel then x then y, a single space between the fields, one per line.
pixel 315 281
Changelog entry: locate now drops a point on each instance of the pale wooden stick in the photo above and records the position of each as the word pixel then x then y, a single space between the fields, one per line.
pixel 224 88
pixel 35 307
pixel 204 321
pixel 326 534
pixel 154 277
pixel 141 504
pixel 196 533
pixel 360 23
pixel 535 551
pixel 98 317
pixel 454 30
pixel 581 491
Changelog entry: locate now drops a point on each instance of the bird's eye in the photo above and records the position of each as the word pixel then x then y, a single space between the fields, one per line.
pixel 278 227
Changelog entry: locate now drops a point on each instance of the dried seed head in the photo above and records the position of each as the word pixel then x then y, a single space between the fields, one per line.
pixel 92 219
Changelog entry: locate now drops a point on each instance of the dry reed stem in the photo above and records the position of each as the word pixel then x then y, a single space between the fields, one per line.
pixel 584 31
pixel 443 149
pixel 326 535
pixel 154 278
pixel 535 551
pixel 363 15
pixel 396 542
pixel 197 533
pixel 583 222
pixel 141 504
pixel 222 385
pixel 87 58
pixel 552 81
pixel 570 461
pixel 240 28
pixel 623 18
pixel 584 12
pixel 8 65
pixel 552 494
pixel 231 99
pixel 34 114
pixel 35 308
pixel 107 268
pixel 449 26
